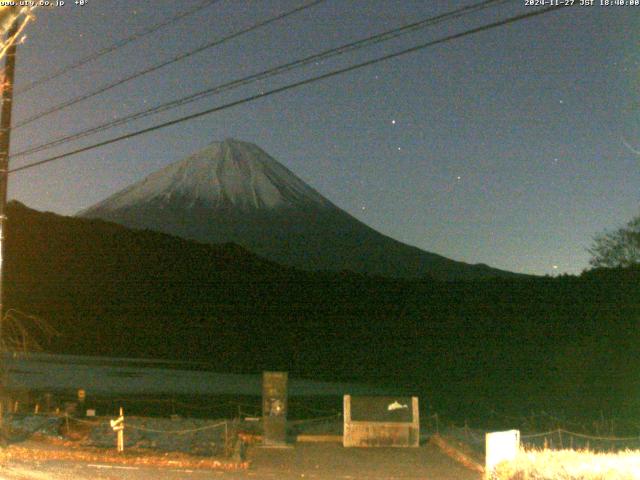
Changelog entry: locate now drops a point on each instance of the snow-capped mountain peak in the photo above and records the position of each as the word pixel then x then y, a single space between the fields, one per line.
pixel 231 174
pixel 233 191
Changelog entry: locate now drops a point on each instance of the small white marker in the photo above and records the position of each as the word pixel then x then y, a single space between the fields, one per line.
pixel 113 467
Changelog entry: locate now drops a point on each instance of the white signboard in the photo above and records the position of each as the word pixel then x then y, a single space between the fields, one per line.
pixel 501 447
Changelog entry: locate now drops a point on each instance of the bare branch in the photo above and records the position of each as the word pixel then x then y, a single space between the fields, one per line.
pixel 619 248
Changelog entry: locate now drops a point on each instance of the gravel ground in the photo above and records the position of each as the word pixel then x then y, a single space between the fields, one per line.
pixel 308 461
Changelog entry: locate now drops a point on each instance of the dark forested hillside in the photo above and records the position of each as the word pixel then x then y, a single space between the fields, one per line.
pixel 566 344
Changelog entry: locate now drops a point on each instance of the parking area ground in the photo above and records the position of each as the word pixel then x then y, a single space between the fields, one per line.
pixel 303 461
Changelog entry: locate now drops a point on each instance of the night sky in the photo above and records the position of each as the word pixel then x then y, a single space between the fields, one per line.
pixel 512 147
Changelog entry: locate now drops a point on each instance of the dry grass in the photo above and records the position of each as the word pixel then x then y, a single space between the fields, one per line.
pixel 43 450
pixel 571 465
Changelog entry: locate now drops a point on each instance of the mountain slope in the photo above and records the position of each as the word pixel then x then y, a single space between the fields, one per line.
pixel 233 191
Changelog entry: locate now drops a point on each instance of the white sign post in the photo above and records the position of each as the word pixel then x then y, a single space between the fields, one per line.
pixel 500 447
pixel 118 426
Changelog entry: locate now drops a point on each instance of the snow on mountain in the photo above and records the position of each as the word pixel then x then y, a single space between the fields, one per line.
pixel 223 175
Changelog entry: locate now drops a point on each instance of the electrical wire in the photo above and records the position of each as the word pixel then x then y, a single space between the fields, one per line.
pixel 158 66
pixel 324 55
pixel 116 46
pixel 291 86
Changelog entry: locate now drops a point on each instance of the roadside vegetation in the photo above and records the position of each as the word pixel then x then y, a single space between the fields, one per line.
pixel 545 464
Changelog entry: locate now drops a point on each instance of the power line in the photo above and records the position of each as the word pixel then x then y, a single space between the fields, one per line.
pixel 324 55
pixel 291 86
pixel 388 35
pixel 175 59
pixel 119 44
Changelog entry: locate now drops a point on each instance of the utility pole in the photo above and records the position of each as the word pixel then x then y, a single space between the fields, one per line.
pixel 5 136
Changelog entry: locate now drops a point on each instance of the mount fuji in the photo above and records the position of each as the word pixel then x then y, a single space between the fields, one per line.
pixel 233 191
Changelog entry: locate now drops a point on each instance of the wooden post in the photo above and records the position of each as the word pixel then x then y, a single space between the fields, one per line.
pixel 226 439
pixel 118 426
pixel 414 436
pixel 121 433
pixel 347 440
